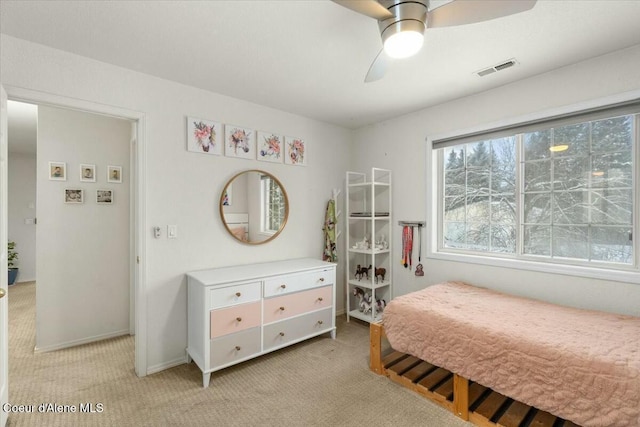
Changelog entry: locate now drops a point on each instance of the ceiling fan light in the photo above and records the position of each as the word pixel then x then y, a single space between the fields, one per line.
pixel 403 44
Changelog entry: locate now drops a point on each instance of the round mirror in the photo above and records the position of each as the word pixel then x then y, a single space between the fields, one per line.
pixel 254 207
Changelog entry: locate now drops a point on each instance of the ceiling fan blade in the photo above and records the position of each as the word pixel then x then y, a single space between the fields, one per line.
pixel 370 8
pixel 461 12
pixel 378 67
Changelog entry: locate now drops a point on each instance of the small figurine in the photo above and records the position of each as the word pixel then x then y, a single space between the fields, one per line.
pixel 364 300
pixel 380 272
pixel 419 271
pixel 360 271
pixel 380 305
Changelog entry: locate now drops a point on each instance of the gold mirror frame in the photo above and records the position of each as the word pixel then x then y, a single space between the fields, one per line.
pixel 286 207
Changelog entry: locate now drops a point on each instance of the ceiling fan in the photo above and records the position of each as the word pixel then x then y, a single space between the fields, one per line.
pixel 402 23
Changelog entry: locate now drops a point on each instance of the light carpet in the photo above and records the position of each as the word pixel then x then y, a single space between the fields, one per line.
pixel 320 382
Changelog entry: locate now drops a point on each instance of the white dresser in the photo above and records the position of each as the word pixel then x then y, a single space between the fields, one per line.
pixel 241 312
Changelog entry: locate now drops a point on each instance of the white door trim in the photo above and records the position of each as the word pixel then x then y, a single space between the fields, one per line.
pixel 4 306
pixel 139 199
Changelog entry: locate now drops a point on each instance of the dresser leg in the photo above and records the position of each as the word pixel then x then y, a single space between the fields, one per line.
pixel 333 334
pixel 205 379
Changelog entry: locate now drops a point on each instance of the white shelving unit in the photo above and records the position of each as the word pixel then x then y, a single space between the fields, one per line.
pixel 368 240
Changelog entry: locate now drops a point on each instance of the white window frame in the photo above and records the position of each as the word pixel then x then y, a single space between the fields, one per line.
pixel 264 206
pixel 434 168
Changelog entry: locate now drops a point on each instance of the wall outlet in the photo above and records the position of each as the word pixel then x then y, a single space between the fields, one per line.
pixel 156 232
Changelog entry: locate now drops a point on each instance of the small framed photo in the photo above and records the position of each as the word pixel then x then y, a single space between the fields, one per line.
pixel 227 198
pixel 114 174
pixel 73 195
pixel 104 197
pixel 87 173
pixel 57 171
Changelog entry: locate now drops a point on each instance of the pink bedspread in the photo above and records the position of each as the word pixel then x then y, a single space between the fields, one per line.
pixel 581 365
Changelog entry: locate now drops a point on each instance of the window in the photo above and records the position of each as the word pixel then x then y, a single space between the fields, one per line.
pixel 272 205
pixel 556 191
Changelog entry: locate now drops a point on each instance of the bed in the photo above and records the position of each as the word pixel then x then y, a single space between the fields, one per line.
pixel 580 365
pixel 238 224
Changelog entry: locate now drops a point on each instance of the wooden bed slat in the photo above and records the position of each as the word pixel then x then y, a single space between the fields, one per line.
pixel 543 419
pixel 404 365
pixel 568 423
pixel 514 415
pixel 491 405
pixel 475 391
pixel 446 389
pixel 392 358
pixel 434 378
pixel 419 371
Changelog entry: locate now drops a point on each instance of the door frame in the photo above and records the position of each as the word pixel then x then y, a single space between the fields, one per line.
pixel 138 200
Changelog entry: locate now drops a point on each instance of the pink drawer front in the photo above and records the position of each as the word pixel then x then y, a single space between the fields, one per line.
pixel 234 319
pixel 289 305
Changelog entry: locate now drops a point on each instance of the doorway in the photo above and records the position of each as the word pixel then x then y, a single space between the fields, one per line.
pixel 106 198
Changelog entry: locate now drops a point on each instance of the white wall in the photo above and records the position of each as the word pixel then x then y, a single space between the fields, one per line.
pixel 184 187
pixel 399 144
pixel 22 205
pixel 82 249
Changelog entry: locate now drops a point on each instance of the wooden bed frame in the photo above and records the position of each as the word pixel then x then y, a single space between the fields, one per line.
pixel 466 399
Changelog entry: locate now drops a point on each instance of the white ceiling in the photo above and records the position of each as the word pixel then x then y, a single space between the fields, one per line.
pixel 310 57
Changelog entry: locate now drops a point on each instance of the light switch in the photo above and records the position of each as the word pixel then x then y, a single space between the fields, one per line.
pixel 172 231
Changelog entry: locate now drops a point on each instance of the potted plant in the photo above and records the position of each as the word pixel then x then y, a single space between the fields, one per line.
pixel 12 256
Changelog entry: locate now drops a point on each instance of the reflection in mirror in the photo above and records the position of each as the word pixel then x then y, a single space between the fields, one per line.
pixel 254 207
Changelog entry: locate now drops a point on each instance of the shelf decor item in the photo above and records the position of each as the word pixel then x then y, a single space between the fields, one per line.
pixel 369 235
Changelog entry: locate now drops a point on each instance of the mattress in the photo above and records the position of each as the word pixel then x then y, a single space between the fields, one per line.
pixel 581 365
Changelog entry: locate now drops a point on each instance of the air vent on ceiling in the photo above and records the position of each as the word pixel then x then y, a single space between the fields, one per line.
pixel 498 67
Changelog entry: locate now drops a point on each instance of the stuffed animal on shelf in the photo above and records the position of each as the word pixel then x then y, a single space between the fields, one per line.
pixel 362 271
pixel 380 305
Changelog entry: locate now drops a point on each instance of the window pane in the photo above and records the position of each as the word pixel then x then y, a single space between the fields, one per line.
pixel 614 134
pixel 503 166
pixel 537 176
pixel 454 181
pixel 454 158
pixel 612 170
pixel 611 244
pixel 454 235
pixel 478 182
pixel 571 173
pixel 571 242
pixel 478 154
pixel 503 238
pixel 537 208
pixel 612 207
pixel 454 209
pixel 503 209
pixel 536 145
pixel 571 207
pixel 477 208
pixel 575 137
pixel 478 236
pixel 536 240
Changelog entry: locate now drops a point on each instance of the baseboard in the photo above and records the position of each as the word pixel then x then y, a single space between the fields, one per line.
pixel 340 312
pixel 166 365
pixel 75 343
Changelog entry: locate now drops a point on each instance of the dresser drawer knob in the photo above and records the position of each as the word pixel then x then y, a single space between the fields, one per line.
pixel 238 294
pixel 322 279
pixel 319 322
pixel 320 299
pixel 283 286
pixel 238 348
pixel 281 334
pixel 239 319
pixel 281 308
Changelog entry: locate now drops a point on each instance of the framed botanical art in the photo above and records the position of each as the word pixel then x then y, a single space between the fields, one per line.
pixel 239 142
pixel 204 136
pixel 87 173
pixel 57 171
pixel 73 195
pixel 104 197
pixel 295 151
pixel 269 147
pixel 114 174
